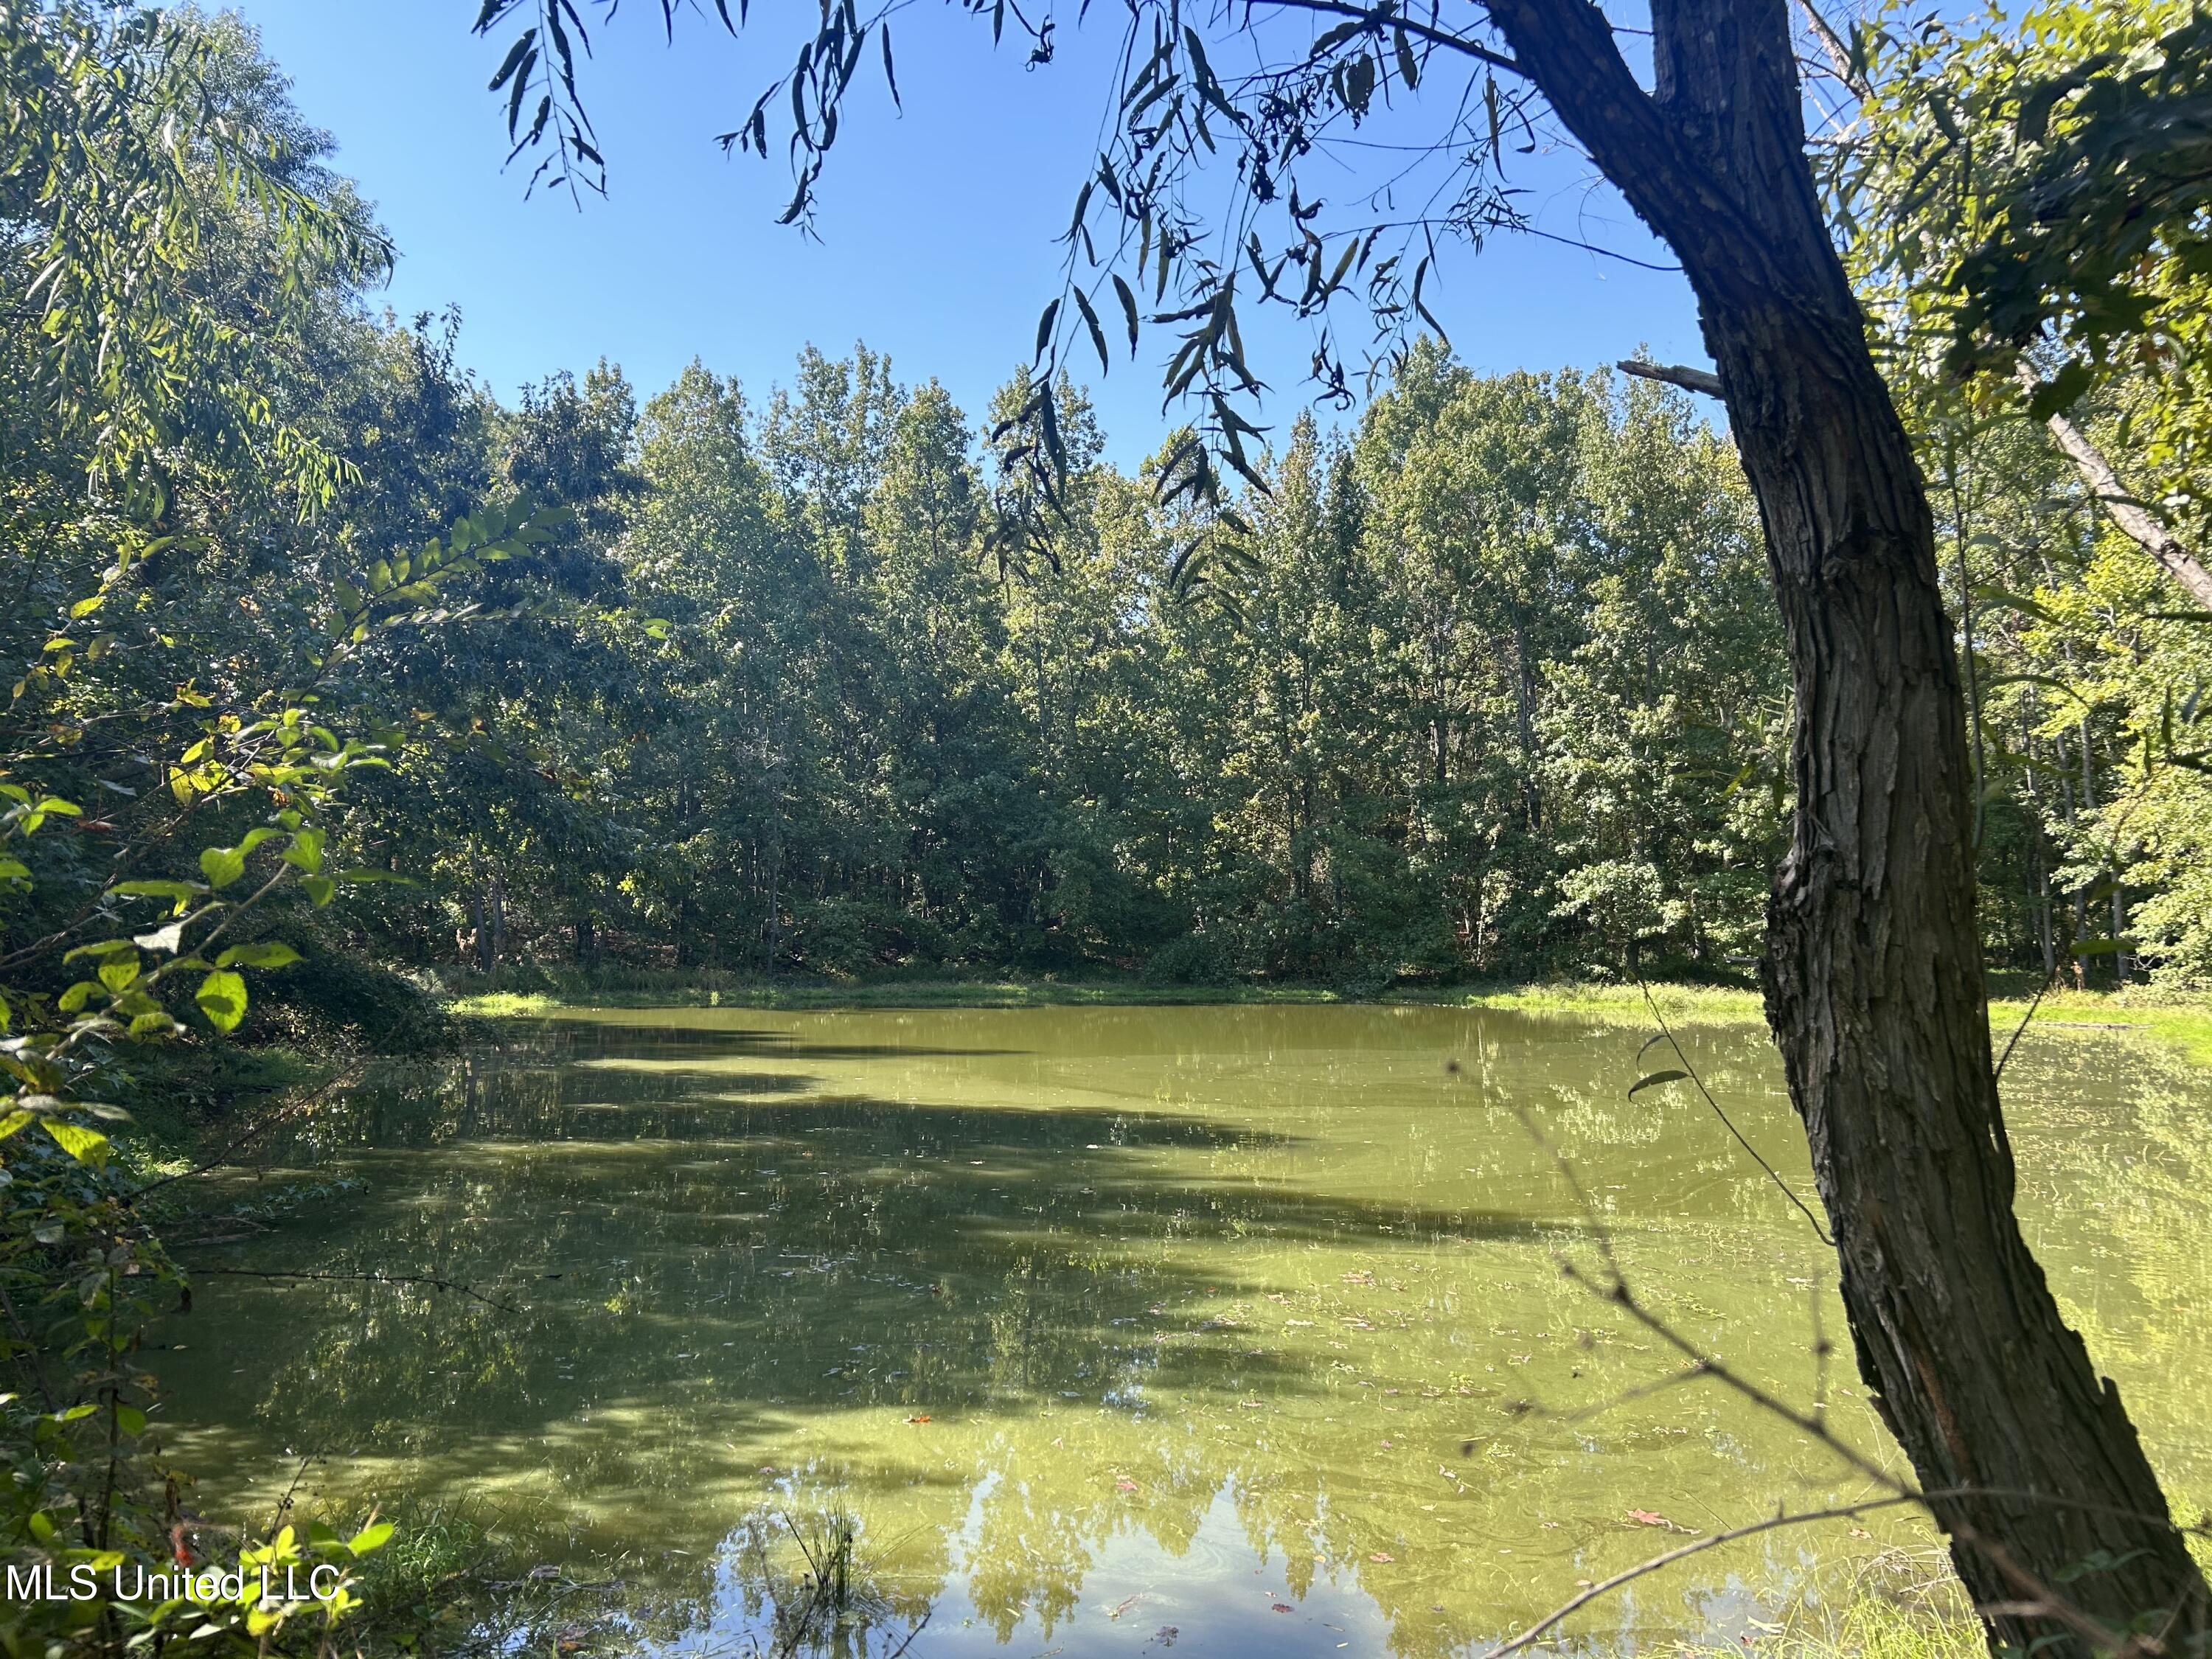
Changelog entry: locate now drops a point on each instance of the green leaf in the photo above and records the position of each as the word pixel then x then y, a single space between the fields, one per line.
pixel 2054 397
pixel 306 852
pixel 2012 601
pixel 221 998
pixel 1128 310
pixel 262 953
pixel 131 1419
pixel 167 890
pixel 224 865
pixel 2046 680
pixel 106 947
pixel 1097 334
pixel 1654 1078
pixel 85 1145
pixel 319 889
pixel 370 1538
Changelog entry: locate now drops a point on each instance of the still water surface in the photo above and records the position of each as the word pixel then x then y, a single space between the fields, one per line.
pixel 1113 1330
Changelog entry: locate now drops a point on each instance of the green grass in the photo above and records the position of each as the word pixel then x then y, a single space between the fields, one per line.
pixel 1903 1604
pixel 1725 1004
pixel 701 991
pixel 638 990
pixel 2180 1020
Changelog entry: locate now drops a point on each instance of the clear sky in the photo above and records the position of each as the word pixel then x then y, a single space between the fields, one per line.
pixel 936 227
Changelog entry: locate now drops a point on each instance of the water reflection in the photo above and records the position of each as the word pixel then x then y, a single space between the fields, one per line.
pixel 1111 1328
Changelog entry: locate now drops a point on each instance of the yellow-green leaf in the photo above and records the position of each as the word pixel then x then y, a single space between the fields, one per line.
pixel 221 998
pixel 85 1145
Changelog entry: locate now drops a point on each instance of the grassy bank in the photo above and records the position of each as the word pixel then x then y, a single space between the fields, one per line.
pixel 653 989
pixel 2181 1021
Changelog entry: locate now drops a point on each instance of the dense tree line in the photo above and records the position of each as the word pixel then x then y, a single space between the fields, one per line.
pixel 1486 686
pixel 1468 696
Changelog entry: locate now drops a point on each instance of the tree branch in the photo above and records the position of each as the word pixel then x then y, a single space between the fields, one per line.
pixel 2126 511
pixel 1382 17
pixel 1839 55
pixel 434 1283
pixel 1690 379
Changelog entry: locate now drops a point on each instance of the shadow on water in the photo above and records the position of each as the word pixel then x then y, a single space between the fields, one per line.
pixel 1229 1322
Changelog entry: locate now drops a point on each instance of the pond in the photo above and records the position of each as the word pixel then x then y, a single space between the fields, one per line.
pixel 1110 1328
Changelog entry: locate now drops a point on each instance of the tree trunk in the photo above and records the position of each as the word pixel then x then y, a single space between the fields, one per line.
pixel 1874 970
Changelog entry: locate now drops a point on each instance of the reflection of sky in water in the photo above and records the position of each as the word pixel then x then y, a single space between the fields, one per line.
pixel 1221 1310
pixel 1214 1595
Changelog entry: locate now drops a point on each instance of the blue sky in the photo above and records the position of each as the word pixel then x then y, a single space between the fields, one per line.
pixel 936 227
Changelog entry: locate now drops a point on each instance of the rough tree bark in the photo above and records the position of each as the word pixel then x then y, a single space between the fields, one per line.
pixel 1873 969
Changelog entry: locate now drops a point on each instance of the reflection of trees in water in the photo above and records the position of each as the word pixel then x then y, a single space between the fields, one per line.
pixel 2117 1178
pixel 742 1275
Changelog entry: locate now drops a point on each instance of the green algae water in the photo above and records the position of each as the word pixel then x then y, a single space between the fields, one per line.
pixel 1108 1330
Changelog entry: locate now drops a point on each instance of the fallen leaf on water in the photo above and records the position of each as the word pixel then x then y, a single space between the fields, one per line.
pixel 1653 1518
pixel 1279 1606
pixel 918 1417
pixel 1382 1555
pixel 1123 1483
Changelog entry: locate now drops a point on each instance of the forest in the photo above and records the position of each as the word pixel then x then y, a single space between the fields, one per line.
pixel 342 685
pixel 803 679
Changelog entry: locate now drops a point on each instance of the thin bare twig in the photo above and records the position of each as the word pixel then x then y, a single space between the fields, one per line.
pixel 432 1281
pixel 254 1131
pixel 2049 1603
pixel 2019 1031
pixel 1682 1551
pixel 1691 1071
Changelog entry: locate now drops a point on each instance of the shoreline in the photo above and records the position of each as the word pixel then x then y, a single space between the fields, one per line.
pixel 2177 1019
